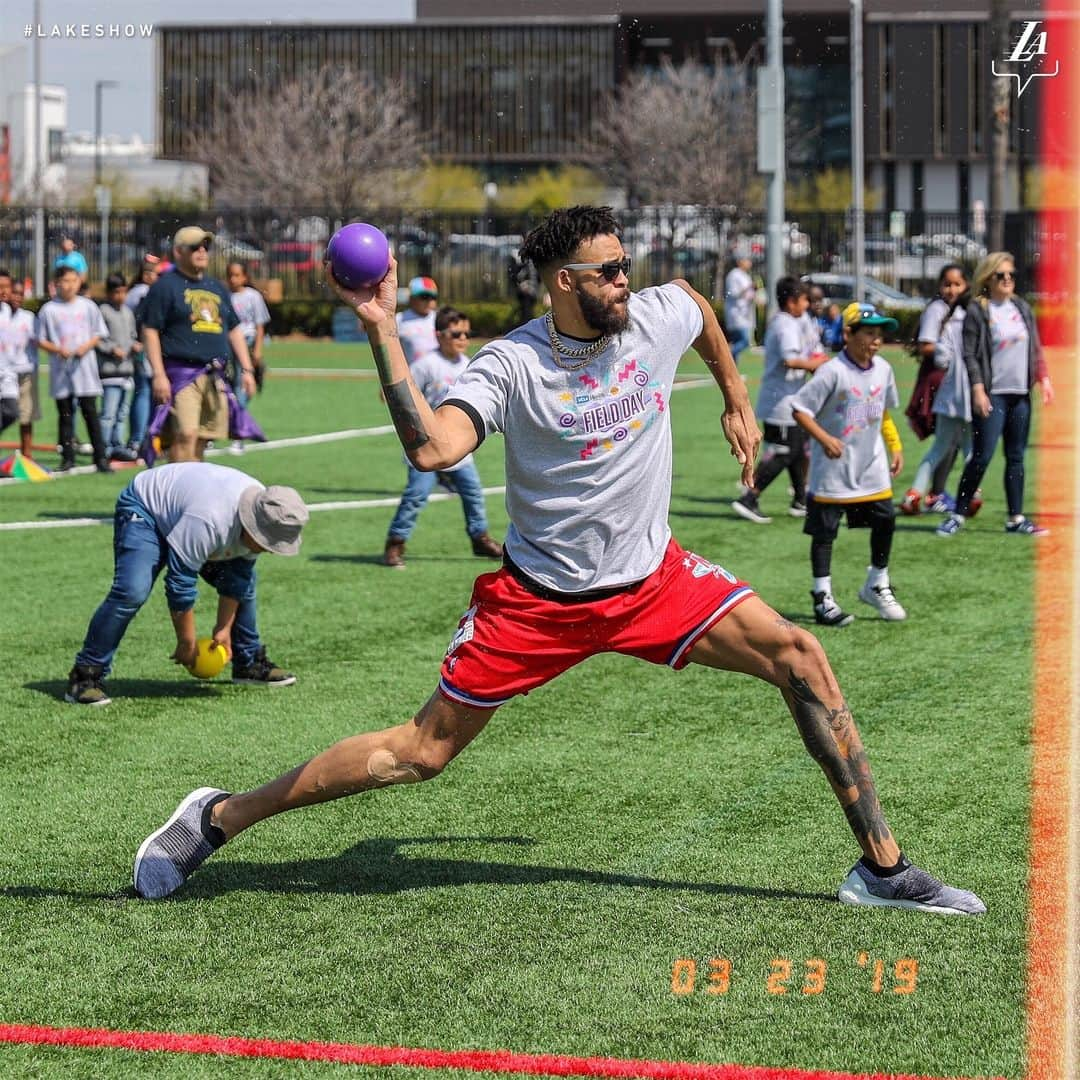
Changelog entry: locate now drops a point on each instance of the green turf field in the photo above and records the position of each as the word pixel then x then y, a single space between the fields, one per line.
pixel 537 896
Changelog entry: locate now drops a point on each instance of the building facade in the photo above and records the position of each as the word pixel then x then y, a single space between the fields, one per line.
pixel 511 83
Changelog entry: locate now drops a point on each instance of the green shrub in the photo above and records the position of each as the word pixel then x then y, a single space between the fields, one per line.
pixel 490 318
pixel 310 317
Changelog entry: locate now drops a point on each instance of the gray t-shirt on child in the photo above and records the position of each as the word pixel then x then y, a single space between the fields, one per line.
pixel 588 452
pixel 435 375
pixel 1009 339
pixel 848 402
pixel 953 397
pixel 70 325
pixel 194 506
pixel 784 340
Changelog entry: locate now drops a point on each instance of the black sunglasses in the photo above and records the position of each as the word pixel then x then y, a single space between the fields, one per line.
pixel 1005 275
pixel 459 333
pixel 195 247
pixel 609 270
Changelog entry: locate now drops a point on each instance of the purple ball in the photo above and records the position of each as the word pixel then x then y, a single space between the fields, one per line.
pixel 359 255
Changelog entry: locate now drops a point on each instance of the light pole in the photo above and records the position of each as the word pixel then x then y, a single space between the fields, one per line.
pixel 858 184
pixel 102 195
pixel 39 197
pixel 99 85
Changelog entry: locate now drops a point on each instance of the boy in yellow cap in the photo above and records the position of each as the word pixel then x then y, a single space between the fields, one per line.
pixel 855 453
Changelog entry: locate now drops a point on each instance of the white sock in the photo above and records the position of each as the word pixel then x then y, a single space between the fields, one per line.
pixel 877 576
pixel 823 584
pixel 1016 518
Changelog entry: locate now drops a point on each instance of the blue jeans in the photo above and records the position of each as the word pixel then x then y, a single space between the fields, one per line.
pixel 140 405
pixel 116 402
pixel 738 340
pixel 465 481
pixel 1010 416
pixel 139 555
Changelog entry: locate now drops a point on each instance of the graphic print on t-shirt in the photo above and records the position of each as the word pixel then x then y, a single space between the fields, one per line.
pixel 858 410
pixel 205 310
pixel 611 409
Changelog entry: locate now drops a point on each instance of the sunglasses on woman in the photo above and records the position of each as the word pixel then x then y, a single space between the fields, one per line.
pixel 1004 275
pixel 609 270
pixel 459 333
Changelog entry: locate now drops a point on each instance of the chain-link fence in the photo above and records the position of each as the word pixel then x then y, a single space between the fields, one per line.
pixel 472 256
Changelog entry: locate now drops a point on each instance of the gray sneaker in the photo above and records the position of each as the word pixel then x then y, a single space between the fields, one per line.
pixel 910 888
pixel 171 854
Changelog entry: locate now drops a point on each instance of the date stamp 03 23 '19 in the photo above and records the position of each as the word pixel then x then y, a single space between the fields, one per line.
pixel 808 978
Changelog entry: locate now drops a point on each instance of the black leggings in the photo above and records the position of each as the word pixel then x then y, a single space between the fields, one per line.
pixel 88 407
pixel 784 448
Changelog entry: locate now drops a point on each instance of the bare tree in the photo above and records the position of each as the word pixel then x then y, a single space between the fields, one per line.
pixel 683 135
pixel 333 139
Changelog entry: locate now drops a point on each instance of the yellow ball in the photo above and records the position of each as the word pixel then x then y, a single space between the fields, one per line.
pixel 210 658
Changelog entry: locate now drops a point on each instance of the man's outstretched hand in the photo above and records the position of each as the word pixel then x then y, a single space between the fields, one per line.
pixel 741 430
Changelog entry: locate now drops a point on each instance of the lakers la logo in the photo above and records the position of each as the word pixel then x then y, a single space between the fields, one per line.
pixel 1029 49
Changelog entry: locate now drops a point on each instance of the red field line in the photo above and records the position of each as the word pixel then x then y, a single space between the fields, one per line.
pixel 1051 969
pixel 503 1061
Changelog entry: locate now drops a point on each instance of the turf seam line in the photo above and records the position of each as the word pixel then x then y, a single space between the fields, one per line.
pixel 355 504
pixel 502 1061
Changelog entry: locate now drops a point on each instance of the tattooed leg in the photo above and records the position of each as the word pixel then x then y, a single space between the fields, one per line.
pixel 833 742
pixel 756 640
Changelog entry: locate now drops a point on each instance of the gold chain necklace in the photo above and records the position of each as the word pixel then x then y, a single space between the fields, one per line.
pixel 583 354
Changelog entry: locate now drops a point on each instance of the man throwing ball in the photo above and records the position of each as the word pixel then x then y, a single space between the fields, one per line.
pixel 581 397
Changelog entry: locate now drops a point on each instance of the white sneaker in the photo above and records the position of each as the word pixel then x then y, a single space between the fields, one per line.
pixel 882 598
pixel 237 446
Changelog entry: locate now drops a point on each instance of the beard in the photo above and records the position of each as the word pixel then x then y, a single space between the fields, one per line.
pixel 606 318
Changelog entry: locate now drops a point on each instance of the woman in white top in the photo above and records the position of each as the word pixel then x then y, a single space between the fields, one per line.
pixel 1005 362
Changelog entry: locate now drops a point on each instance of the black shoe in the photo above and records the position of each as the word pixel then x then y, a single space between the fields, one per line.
pixel 261 672
pixel 747 507
pixel 103 466
pixel 64 466
pixel 85 685
pixel 123 453
pixel 827 612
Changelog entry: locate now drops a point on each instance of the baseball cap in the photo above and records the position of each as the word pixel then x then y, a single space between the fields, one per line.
pixel 856 314
pixel 273 517
pixel 191 235
pixel 423 286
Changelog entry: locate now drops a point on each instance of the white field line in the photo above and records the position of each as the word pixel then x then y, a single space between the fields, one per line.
pixel 357 504
pixel 274 444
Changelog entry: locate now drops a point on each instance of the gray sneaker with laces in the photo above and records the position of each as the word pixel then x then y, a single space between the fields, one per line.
pixel 910 888
pixel 171 854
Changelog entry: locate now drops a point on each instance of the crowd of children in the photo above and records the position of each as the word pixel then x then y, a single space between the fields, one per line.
pixel 827 421
pixel 96 357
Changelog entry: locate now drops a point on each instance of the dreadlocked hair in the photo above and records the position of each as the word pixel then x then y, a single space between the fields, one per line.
pixel 562 232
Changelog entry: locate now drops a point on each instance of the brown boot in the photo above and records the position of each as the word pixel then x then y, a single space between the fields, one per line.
pixel 486 548
pixel 394 555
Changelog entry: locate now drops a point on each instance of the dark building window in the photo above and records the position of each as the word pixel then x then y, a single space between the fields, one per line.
pixel 963 181
pixel 888 91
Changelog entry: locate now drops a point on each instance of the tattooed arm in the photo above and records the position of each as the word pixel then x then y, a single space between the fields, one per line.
pixel 431 440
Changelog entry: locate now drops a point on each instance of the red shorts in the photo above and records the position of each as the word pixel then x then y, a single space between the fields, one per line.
pixel 511 641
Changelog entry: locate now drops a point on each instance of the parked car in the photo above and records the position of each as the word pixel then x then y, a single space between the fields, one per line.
pixel 295 256
pixel 841 289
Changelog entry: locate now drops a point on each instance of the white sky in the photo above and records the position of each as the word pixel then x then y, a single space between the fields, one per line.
pixel 77 63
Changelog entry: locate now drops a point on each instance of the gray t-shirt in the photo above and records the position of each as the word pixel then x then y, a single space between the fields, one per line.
pixel 69 326
pixel 23 339
pixel 435 376
pixel 588 452
pixel 848 402
pixel 194 506
pixel 417 333
pixel 9 378
pixel 953 397
pixel 1009 340
pixel 784 340
pixel 739 295
pixel 251 310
